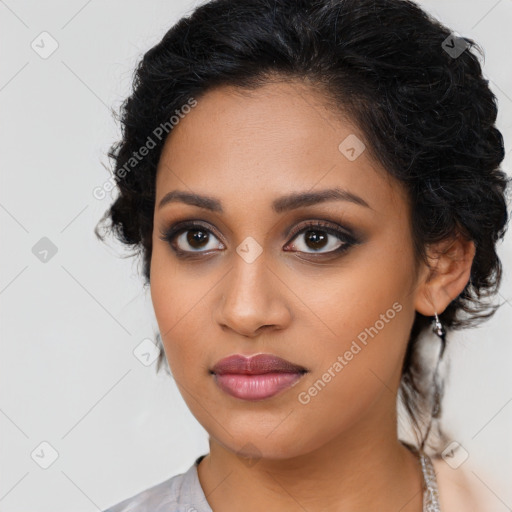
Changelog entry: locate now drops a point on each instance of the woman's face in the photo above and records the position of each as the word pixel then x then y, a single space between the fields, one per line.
pixel 250 279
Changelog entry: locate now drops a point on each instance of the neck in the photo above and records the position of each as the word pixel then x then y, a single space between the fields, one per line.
pixel 365 468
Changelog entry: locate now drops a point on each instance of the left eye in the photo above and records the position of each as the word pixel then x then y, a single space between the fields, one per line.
pixel 319 238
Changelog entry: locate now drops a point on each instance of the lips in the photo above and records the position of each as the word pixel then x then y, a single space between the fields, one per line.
pixel 255 365
pixel 256 378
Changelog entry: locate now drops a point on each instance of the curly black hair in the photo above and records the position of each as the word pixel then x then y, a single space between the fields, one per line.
pixel 415 90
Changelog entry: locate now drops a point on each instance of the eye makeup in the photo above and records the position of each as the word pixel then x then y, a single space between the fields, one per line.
pixel 180 234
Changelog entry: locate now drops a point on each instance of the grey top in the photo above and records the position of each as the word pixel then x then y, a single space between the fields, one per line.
pixel 180 493
pixel 183 493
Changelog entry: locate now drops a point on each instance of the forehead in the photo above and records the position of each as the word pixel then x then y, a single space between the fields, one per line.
pixel 281 137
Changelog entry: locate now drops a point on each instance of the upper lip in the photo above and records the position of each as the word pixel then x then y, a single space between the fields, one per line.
pixel 255 365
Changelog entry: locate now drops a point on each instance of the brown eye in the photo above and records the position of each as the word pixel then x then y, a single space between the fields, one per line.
pixel 196 238
pixel 190 238
pixel 320 238
pixel 316 239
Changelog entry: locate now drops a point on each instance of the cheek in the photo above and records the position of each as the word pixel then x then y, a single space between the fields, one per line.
pixel 366 314
pixel 360 364
pixel 177 304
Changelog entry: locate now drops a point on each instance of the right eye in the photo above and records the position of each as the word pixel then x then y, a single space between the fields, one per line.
pixel 189 238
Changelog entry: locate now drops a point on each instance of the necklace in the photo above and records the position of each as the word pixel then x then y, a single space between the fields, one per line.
pixel 430 493
pixel 430 490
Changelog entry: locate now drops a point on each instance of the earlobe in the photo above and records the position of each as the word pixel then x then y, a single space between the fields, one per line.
pixel 448 273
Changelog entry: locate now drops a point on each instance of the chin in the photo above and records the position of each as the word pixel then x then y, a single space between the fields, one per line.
pixel 252 445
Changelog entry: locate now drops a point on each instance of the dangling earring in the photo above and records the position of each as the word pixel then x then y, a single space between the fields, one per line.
pixel 441 332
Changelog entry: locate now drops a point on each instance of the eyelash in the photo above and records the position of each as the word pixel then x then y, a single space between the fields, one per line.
pixel 182 227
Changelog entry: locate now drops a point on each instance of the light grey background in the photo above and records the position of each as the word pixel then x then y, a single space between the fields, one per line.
pixel 68 375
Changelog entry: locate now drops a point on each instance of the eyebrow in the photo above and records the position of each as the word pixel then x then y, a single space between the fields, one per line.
pixel 279 205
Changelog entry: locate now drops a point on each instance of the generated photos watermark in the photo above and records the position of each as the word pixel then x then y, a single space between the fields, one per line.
pixel 304 397
pixel 159 133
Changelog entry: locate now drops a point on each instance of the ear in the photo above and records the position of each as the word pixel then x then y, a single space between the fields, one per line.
pixel 446 275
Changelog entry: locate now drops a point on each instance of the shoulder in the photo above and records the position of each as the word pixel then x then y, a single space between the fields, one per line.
pixel 172 495
pixel 459 489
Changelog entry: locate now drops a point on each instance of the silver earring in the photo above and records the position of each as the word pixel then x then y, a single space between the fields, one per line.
pixel 441 332
pixel 438 327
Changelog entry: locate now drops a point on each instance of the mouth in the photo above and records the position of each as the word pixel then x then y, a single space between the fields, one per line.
pixel 256 378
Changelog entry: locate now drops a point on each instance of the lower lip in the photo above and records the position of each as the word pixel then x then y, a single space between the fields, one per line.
pixel 256 387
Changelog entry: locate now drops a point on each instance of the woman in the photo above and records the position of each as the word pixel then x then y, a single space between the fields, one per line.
pixel 313 186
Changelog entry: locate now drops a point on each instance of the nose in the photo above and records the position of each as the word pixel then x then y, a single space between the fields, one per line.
pixel 252 299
